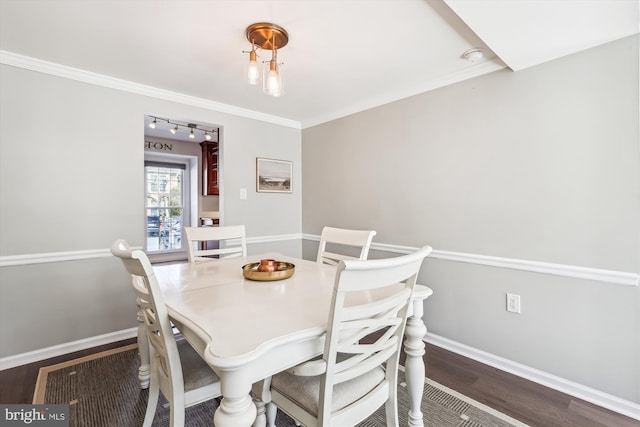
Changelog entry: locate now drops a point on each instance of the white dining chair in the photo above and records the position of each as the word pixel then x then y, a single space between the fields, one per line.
pixel 352 379
pixel 177 370
pixel 231 241
pixel 343 240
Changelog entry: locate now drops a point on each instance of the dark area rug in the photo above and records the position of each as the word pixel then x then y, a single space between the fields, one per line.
pixel 102 390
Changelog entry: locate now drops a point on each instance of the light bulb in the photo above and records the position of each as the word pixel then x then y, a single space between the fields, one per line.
pixel 191 134
pixel 251 68
pixel 207 136
pixel 273 83
pixel 253 75
pixel 174 130
pixel 152 125
pixel 272 80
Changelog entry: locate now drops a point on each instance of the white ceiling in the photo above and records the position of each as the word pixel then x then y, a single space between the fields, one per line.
pixel 343 56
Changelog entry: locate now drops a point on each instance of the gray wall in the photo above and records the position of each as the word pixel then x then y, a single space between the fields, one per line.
pixel 539 165
pixel 71 180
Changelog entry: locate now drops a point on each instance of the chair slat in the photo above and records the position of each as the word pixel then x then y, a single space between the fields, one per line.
pixel 366 372
pixel 231 240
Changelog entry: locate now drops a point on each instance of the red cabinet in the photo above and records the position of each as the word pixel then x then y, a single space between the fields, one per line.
pixel 209 168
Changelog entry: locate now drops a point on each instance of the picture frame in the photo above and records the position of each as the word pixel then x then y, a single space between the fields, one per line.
pixel 273 176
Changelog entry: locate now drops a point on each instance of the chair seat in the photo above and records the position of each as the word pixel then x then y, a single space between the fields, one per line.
pixel 195 371
pixel 305 391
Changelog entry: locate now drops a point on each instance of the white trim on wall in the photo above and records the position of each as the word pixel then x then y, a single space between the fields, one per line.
pixel 66 348
pixel 599 275
pixel 33 64
pixel 477 70
pixel 605 400
pixel 580 391
pixel 43 258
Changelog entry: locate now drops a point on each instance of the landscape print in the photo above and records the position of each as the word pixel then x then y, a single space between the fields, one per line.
pixel 273 176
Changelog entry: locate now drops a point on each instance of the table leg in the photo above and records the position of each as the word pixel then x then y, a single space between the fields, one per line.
pixel 261 419
pixel 144 371
pixel 414 364
pixel 235 412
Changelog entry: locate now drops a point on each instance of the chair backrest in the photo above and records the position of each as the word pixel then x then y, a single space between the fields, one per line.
pixel 342 238
pixel 231 239
pixel 159 332
pixel 389 284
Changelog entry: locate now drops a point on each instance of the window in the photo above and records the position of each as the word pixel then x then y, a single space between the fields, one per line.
pixel 166 202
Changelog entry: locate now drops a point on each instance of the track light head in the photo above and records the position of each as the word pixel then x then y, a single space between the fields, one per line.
pixel 174 127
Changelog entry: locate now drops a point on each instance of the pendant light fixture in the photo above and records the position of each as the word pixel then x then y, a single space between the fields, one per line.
pixel 271 37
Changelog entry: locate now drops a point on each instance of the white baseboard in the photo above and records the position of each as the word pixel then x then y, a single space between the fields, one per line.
pixel 70 347
pixel 616 404
pixel 605 400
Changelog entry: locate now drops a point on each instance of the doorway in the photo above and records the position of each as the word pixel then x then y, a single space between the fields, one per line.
pixel 177 174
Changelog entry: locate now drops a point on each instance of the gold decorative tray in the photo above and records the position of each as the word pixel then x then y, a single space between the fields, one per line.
pixel 283 270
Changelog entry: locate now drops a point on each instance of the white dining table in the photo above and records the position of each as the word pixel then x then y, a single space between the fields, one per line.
pixel 249 330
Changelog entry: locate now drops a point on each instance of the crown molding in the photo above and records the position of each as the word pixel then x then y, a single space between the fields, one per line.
pixel 469 72
pixel 59 70
pixel 38 65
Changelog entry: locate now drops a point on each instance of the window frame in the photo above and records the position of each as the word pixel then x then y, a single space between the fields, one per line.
pixel 178 162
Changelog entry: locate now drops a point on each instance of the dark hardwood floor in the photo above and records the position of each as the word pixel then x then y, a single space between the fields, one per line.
pixel 526 401
pixel 521 399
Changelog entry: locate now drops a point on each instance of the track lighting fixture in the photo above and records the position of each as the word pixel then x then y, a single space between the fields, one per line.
pixel 193 128
pixel 272 37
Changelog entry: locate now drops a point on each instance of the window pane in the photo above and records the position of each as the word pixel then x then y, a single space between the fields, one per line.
pixel 175 200
pixel 152 200
pixel 164 208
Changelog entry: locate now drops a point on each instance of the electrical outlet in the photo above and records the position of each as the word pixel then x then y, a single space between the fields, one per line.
pixel 513 303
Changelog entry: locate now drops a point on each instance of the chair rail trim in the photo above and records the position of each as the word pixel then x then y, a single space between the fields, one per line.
pixel 614 277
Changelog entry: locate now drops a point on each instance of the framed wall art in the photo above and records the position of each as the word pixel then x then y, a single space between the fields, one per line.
pixel 273 176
